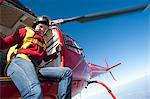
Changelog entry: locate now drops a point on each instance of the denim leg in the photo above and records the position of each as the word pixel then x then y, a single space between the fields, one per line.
pixel 24 76
pixel 64 76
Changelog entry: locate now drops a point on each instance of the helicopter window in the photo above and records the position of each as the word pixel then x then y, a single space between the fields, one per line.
pixel 71 44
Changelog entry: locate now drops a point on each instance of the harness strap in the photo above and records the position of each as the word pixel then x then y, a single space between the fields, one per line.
pixel 35 41
pixel 24 57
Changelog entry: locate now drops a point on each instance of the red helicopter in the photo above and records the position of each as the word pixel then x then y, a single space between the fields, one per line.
pixel 14 15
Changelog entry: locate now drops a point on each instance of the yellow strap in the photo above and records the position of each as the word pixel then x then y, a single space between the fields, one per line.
pixel 11 52
pixel 35 41
pixel 30 32
pixel 29 39
pixel 23 56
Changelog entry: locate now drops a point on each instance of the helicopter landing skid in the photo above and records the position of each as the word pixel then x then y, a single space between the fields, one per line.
pixel 104 85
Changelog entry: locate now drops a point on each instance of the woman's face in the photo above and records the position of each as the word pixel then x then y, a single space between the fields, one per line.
pixel 41 28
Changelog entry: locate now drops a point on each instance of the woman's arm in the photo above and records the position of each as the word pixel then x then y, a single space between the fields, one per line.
pixel 13 39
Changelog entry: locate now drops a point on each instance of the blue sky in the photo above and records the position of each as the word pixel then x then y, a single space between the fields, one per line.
pixel 124 38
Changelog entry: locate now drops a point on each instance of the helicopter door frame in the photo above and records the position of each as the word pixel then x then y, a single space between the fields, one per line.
pixel 53 39
pixel 20 17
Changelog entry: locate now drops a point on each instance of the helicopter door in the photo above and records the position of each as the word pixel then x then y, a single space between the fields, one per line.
pixel 53 41
pixel 11 19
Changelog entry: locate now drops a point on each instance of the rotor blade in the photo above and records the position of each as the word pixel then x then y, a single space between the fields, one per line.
pixel 107 14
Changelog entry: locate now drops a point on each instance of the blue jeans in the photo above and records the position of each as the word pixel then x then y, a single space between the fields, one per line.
pixel 25 78
pixel 23 74
pixel 64 76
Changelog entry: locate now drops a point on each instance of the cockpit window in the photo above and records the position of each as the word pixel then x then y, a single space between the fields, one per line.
pixel 71 44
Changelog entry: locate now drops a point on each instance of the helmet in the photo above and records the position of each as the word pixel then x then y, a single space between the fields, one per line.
pixel 41 19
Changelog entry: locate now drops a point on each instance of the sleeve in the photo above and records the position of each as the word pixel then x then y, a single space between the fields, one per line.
pixel 13 39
